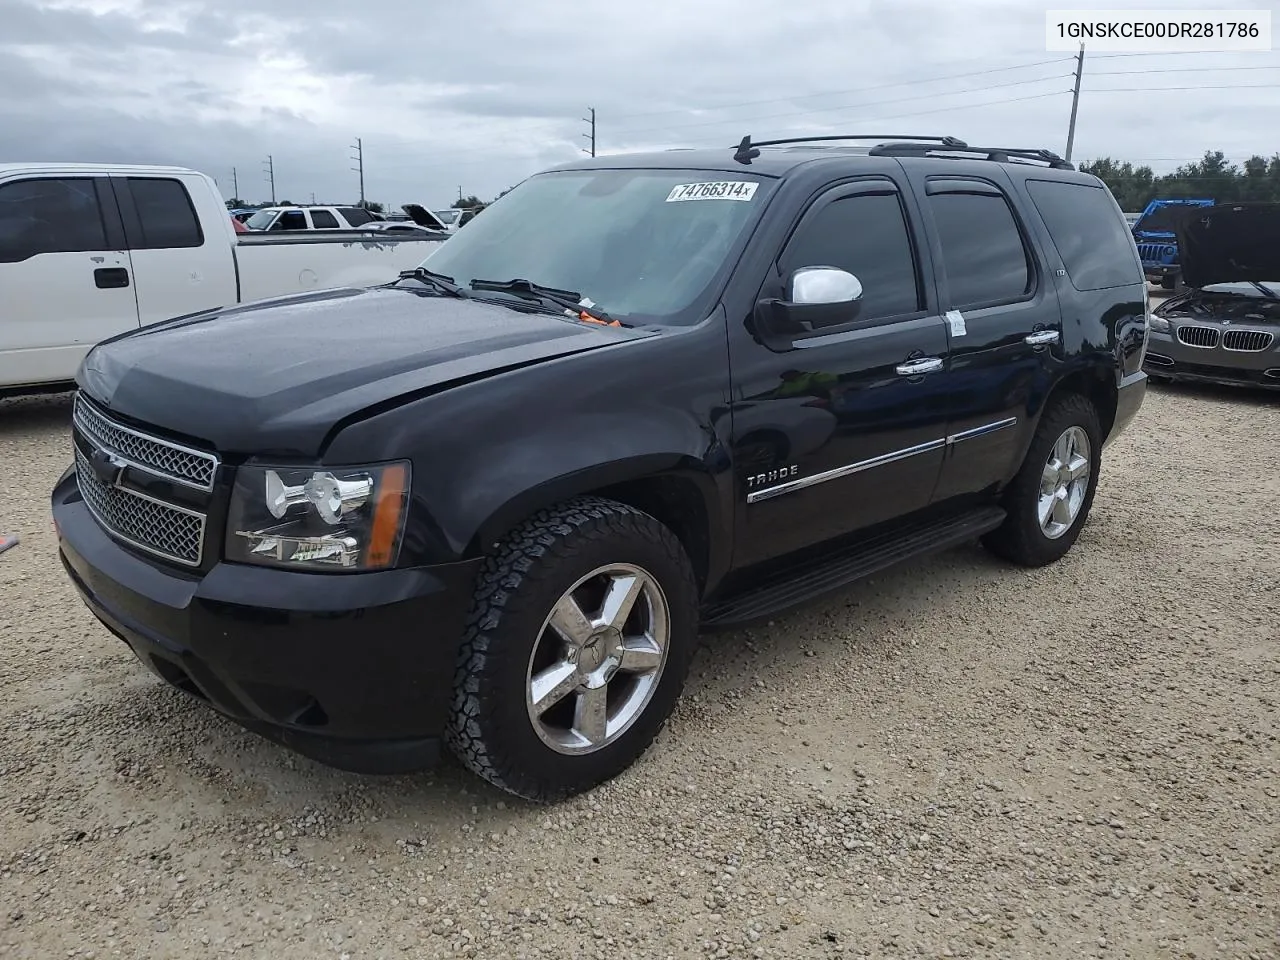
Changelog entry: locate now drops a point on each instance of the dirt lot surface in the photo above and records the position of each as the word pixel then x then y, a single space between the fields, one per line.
pixel 958 759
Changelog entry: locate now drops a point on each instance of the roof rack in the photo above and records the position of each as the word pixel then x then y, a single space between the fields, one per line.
pixel 998 154
pixel 746 150
pixel 909 146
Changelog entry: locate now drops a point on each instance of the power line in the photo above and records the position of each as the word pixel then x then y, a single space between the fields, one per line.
pixel 847 106
pixel 863 89
pixel 1228 86
pixel 1132 73
pixel 358 147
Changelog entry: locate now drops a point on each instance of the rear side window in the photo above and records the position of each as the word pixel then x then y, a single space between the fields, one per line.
pixel 166 217
pixel 1088 232
pixel 982 250
pixel 323 219
pixel 865 234
pixel 49 216
pixel 355 216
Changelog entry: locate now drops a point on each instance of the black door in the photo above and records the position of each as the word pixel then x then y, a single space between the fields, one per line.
pixel 1004 323
pixel 846 428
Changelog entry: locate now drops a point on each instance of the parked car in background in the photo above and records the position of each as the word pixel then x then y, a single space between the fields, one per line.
pixel 416 219
pixel 1154 233
pixel 309 218
pixel 1226 327
pixel 493 503
pixel 90 251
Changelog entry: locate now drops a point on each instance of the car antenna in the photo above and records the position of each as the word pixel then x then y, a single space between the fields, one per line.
pixel 746 152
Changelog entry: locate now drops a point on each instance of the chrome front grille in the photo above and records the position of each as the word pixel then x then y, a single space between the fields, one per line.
pixel 123 498
pixel 163 458
pixel 1251 341
pixel 1154 251
pixel 1198 336
pixel 163 529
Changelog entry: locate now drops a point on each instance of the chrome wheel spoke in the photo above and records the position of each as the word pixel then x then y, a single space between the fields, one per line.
pixel 1078 467
pixel 1049 477
pixel 570 622
pixel 619 600
pixel 1062 512
pixel 552 685
pixel 1044 510
pixel 590 714
pixel 640 655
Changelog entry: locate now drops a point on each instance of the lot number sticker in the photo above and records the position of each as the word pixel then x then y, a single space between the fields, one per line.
pixel 719 190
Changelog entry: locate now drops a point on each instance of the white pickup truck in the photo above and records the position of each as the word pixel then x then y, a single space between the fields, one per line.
pixel 89 251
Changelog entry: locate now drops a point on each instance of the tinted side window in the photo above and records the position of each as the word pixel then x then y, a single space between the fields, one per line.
pixel 49 216
pixel 1091 238
pixel 982 249
pixel 165 215
pixel 865 234
pixel 323 219
pixel 291 220
pixel 355 216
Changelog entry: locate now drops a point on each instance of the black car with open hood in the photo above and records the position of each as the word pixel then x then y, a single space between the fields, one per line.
pixel 1226 327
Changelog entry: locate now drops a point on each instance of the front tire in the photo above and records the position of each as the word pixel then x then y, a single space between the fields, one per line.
pixel 1049 500
pixel 576 649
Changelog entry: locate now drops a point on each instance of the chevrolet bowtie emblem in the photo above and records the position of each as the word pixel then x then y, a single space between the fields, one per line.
pixel 107 466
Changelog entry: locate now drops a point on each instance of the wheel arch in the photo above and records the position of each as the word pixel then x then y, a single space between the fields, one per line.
pixel 676 490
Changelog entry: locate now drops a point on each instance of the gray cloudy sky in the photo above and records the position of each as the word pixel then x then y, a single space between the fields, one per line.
pixel 483 93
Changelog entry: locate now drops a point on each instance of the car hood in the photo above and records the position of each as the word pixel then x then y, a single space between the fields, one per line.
pixel 276 376
pixel 1230 243
pixel 422 216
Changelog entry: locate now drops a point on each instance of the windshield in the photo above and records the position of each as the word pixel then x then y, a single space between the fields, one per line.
pixel 260 220
pixel 447 216
pixel 645 245
pixel 1164 219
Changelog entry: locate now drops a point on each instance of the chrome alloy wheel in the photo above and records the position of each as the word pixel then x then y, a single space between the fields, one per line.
pixel 598 659
pixel 1064 483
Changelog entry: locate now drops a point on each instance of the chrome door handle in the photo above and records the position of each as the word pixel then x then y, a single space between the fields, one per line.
pixel 913 368
pixel 1041 337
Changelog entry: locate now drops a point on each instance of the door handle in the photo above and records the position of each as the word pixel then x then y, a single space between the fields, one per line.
pixel 1041 337
pixel 107 278
pixel 913 368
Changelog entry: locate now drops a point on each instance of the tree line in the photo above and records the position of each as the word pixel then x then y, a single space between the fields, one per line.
pixel 1258 178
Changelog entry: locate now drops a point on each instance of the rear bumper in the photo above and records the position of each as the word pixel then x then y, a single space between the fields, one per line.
pixel 1129 396
pixel 352 670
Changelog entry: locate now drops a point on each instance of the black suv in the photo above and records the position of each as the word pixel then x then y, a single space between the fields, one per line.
pixel 493 502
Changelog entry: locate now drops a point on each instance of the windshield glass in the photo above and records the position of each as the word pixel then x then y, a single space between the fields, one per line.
pixel 645 245
pixel 1164 219
pixel 260 220
pixel 447 216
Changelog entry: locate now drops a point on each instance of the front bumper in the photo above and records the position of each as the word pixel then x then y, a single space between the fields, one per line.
pixel 352 670
pixel 1170 358
pixel 1158 271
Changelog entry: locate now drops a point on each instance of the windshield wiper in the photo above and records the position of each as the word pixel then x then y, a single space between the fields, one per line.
pixel 430 278
pixel 570 300
pixel 1266 291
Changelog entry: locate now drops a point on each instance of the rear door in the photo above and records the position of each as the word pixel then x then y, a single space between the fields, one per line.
pixel 65 276
pixel 179 266
pixel 1003 319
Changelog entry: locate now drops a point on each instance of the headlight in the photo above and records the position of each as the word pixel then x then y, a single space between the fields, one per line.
pixel 1157 323
pixel 323 518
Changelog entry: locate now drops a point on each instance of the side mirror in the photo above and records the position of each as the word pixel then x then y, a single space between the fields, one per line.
pixel 816 297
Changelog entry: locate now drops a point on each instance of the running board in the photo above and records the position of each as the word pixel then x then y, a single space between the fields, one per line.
pixel 811 579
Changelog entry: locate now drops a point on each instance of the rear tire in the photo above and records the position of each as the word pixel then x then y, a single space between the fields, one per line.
pixel 1049 500
pixel 558 687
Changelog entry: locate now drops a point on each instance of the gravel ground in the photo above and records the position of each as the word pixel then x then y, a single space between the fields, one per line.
pixel 957 759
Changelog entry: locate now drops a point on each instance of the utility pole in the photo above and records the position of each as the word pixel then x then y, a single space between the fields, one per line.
pixel 358 147
pixel 270 171
pixel 1075 102
pixel 459 191
pixel 235 184
pixel 592 135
